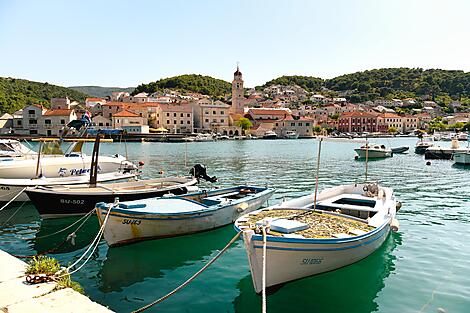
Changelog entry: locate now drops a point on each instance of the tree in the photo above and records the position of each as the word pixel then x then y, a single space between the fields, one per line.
pixel 316 129
pixel 392 130
pixel 244 123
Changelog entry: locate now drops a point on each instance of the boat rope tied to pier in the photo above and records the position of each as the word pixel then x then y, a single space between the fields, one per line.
pixel 70 237
pixel 13 215
pixel 191 278
pixel 43 278
pixel 13 199
pixel 86 217
pixel 93 246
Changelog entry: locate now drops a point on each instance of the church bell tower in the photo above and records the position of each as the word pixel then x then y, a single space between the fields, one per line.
pixel 237 93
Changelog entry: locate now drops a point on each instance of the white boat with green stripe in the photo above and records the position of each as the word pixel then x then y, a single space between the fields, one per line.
pixel 348 223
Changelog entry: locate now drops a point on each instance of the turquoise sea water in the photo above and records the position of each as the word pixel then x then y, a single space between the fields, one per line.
pixel 423 267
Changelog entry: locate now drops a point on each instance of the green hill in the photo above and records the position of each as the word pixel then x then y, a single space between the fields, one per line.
pixel 101 92
pixel 402 82
pixel 309 83
pixel 443 85
pixel 17 93
pixel 188 83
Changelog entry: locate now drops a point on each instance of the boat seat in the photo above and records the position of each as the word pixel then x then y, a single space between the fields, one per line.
pixel 341 236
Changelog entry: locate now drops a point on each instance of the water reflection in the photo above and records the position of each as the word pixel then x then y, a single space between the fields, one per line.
pixel 130 264
pixel 48 240
pixel 350 289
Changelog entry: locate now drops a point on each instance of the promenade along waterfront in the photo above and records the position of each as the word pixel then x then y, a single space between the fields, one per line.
pixel 423 267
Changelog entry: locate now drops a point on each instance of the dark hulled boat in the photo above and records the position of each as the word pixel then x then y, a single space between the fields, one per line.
pixel 59 201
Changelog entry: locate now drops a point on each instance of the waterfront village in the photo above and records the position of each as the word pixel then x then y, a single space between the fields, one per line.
pixel 277 110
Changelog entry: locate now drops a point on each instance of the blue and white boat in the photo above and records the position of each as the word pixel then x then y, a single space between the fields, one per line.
pixel 348 223
pixel 138 220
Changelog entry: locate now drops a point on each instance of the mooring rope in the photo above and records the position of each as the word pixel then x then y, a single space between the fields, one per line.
pixel 191 278
pixel 13 199
pixel 74 223
pixel 94 244
pixel 11 216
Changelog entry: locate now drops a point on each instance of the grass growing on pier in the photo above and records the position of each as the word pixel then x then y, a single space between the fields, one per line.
pixel 50 266
pixel 42 265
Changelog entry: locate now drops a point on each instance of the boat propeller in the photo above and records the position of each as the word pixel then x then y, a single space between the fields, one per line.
pixel 199 171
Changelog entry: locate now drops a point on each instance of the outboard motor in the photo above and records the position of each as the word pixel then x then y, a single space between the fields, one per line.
pixel 199 171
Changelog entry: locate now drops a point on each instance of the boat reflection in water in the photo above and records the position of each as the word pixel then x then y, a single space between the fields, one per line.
pixel 47 240
pixel 127 265
pixel 350 289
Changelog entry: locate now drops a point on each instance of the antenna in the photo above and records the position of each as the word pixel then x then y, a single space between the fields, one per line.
pixel 316 178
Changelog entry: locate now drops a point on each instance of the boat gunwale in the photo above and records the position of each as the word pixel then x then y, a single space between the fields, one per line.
pixel 103 190
pixel 206 209
pixel 357 239
pixel 257 237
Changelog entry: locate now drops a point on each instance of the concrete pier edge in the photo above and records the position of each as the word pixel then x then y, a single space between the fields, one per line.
pixel 18 296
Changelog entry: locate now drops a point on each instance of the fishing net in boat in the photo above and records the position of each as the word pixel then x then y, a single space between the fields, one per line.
pixel 321 225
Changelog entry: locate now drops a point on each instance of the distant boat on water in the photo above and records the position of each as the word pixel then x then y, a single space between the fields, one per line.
pixel 373 151
pixel 270 135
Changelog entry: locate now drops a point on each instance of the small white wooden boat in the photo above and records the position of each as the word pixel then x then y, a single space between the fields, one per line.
pixel 349 223
pixel 373 151
pixel 152 218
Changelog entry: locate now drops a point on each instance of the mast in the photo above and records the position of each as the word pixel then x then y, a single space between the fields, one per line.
pixel 39 160
pixel 318 172
pixel 94 161
pixel 367 158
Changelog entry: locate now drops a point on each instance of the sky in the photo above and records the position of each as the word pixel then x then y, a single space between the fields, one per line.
pixel 126 43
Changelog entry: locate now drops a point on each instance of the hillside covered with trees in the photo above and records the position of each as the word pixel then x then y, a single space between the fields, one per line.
pixel 101 92
pixel 402 82
pixel 309 83
pixel 15 94
pixel 388 83
pixel 189 83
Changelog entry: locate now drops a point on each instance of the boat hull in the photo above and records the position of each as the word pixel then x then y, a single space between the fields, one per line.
pixel 127 228
pixel 59 166
pixel 441 153
pixel 60 205
pixel 462 158
pixel 9 188
pixel 400 149
pixel 305 258
pixel 373 154
pixel 420 149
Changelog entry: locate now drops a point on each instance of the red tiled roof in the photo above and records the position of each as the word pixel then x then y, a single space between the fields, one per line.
pixel 119 104
pixel 125 113
pixel 267 112
pixel 58 112
pixel 356 114
pixel 390 115
pixel 94 99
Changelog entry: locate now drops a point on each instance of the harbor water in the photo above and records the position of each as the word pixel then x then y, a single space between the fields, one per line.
pixel 425 267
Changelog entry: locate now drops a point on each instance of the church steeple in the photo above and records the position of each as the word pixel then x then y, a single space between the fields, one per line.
pixel 237 92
